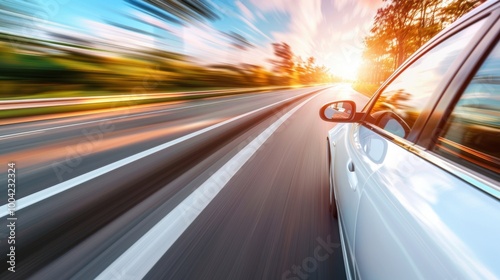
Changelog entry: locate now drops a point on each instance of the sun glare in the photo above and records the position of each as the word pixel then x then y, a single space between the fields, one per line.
pixel 346 69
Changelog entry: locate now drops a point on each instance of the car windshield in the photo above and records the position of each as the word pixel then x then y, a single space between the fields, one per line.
pixel 407 95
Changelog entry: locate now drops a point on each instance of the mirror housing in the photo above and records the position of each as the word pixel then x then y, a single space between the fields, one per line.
pixel 343 111
pixel 374 145
pixel 393 123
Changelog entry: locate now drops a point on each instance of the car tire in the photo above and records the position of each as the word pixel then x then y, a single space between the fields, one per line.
pixel 333 203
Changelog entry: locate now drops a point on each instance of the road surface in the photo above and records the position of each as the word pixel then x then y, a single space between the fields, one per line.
pixel 223 188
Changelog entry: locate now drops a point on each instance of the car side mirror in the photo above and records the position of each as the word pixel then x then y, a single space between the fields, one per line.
pixel 340 111
pixel 374 146
pixel 393 123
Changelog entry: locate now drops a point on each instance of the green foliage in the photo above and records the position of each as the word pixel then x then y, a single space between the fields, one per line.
pixel 293 70
pixel 34 67
pixel 38 67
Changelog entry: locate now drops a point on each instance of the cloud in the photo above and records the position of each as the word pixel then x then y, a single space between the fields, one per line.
pixel 223 9
pixel 204 43
pixel 254 28
pixel 367 5
pixel 151 20
pixel 332 31
pixel 119 38
pixel 246 12
pixel 305 17
pixel 272 5
pixel 208 46
pixel 371 4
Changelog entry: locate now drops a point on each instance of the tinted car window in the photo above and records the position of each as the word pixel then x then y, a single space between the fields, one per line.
pixel 406 96
pixel 472 132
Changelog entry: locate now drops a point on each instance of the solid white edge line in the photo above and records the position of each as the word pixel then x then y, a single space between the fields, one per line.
pixel 136 262
pixel 51 191
pixel 20 134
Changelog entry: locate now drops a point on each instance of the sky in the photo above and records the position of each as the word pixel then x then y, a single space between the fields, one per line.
pixel 331 31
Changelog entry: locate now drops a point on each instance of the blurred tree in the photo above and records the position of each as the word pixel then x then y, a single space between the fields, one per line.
pixel 307 72
pixel 70 64
pixel 257 75
pixel 393 24
pixel 284 65
pixel 311 70
pixel 301 70
pixel 458 8
pixel 401 27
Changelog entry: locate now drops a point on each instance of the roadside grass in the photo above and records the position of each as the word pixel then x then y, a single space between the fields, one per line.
pixel 26 112
pixel 60 94
pixel 82 93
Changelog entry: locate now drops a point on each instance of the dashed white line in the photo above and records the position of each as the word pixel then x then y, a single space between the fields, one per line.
pixel 136 262
pixel 66 185
pixel 20 134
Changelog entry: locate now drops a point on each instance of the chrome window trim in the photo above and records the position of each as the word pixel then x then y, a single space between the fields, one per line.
pixel 437 40
pixel 453 69
pixel 443 108
pixel 479 181
pixel 403 143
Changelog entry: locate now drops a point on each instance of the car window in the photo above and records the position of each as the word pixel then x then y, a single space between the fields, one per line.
pixel 402 101
pixel 472 132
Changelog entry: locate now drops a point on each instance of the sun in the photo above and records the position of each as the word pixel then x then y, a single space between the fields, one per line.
pixel 346 68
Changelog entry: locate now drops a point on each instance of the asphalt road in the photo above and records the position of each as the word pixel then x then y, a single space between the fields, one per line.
pixel 224 188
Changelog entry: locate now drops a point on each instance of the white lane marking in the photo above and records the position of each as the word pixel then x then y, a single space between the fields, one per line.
pixel 116 118
pixel 136 262
pixel 20 134
pixel 51 191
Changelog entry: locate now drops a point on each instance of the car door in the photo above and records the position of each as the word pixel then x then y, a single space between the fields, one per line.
pixel 360 150
pixel 416 220
pixel 349 173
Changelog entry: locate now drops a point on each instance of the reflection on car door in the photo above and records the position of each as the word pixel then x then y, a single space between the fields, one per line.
pixel 417 221
pixel 350 173
pixel 393 219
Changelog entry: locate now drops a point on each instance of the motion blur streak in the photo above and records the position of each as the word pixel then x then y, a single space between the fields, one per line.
pixel 67 48
pixel 53 152
pixel 46 193
pixel 144 254
pixel 115 112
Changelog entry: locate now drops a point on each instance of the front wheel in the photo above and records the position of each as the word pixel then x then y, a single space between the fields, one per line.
pixel 333 203
pixel 333 206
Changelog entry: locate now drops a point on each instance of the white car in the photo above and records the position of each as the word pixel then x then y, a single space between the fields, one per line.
pixel 414 176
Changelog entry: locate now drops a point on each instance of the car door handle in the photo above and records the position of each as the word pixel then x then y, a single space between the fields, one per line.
pixel 351 175
pixel 350 166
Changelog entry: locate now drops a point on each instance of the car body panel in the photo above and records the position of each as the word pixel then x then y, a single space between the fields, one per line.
pixel 407 212
pixel 348 197
pixel 414 214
